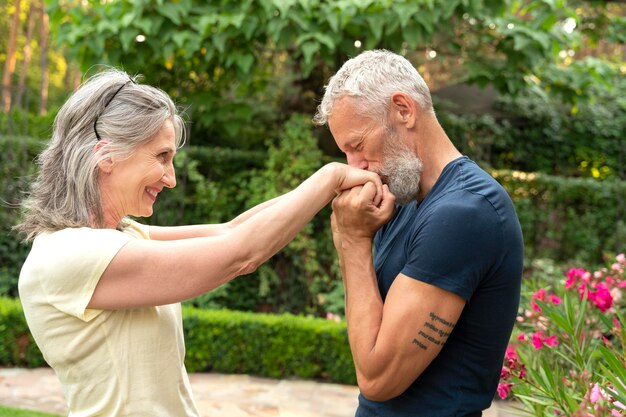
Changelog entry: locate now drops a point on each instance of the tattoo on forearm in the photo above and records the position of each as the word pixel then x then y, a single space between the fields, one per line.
pixel 435 331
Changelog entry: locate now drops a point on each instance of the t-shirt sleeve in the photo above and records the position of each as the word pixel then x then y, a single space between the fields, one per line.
pixel 72 262
pixel 457 246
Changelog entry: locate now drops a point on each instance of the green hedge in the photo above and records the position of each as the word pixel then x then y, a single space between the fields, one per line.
pixel 566 219
pixel 17 347
pixel 277 346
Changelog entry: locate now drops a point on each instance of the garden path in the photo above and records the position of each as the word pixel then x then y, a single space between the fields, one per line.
pixel 217 395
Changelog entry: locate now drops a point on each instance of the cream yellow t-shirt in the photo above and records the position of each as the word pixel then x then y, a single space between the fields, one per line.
pixel 118 363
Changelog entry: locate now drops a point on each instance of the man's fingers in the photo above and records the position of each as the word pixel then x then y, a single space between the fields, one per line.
pixel 388 204
pixel 368 193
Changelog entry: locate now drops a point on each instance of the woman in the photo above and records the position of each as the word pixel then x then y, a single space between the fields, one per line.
pixel 101 293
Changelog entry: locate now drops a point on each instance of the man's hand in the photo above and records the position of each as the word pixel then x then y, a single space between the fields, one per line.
pixel 357 216
pixel 349 177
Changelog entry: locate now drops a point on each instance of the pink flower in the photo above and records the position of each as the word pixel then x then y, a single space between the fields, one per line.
pixel 550 341
pixel 596 394
pixel 522 337
pixel 616 323
pixel 570 282
pixel 539 295
pixel 540 340
pixel 554 299
pixel 601 297
pixel 582 288
pixel 504 389
pixel 621 258
pixel 537 339
pixel 333 317
pixel 511 353
pixel 505 373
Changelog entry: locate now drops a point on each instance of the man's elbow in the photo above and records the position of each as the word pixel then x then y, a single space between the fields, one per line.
pixel 379 390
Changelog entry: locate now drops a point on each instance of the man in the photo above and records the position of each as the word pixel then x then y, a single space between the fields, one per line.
pixel 430 313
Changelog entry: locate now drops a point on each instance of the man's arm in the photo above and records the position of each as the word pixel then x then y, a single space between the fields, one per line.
pixel 393 343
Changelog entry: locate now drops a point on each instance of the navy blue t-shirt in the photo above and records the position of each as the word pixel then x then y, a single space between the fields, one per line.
pixel 464 237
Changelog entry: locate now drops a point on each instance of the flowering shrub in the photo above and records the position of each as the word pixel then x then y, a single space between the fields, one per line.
pixel 566 356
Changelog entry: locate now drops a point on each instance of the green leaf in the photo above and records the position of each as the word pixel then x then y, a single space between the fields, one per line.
pixel 245 62
pixel 179 38
pixel 405 13
pixel 448 8
pixel 171 11
pixel 413 35
pixel 283 7
pixel 309 49
pixel 127 37
pixel 326 40
pixel 127 19
pixel 376 23
pixel 148 24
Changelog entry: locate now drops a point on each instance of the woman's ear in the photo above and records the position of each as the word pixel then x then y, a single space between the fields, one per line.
pixel 105 164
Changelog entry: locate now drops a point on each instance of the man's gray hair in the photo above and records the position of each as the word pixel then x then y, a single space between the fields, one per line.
pixel 372 77
pixel 66 193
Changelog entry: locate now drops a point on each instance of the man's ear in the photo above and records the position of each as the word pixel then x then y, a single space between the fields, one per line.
pixel 404 110
pixel 105 164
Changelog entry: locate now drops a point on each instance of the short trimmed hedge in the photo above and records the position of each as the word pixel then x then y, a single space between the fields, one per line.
pixel 18 412
pixel 276 346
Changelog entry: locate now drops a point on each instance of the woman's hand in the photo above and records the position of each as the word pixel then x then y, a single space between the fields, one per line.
pixel 348 177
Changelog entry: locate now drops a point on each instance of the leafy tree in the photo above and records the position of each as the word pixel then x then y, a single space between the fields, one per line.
pixel 219 56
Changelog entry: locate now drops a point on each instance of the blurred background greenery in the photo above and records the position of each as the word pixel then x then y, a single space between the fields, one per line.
pixel 532 90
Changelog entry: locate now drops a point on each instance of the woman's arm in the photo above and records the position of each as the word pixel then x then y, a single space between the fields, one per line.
pixel 206 230
pixel 147 272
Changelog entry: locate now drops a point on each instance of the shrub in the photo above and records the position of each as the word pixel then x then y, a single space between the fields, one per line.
pixel 277 346
pixel 566 356
pixel 17 347
pixel 567 218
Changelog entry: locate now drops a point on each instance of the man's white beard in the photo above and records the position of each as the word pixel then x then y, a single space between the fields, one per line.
pixel 401 170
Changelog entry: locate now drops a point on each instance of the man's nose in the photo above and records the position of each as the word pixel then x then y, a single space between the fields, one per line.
pixel 356 161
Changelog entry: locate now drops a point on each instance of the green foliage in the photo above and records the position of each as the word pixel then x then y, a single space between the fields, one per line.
pixel 567 352
pixel 548 138
pixel 567 218
pixel 276 346
pixel 27 124
pixel 298 278
pixel 240 65
pixel 537 135
pixel 16 155
pixel 15 412
pixel 293 277
pixel 17 347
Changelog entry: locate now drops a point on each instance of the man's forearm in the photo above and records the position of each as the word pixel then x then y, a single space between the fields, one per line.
pixel 364 306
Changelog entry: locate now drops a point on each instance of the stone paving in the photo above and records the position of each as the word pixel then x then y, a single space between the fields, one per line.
pixel 217 395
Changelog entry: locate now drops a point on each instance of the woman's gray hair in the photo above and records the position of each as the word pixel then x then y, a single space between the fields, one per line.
pixel 372 77
pixel 125 114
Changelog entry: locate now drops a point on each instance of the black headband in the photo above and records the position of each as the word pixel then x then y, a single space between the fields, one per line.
pixel 105 106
